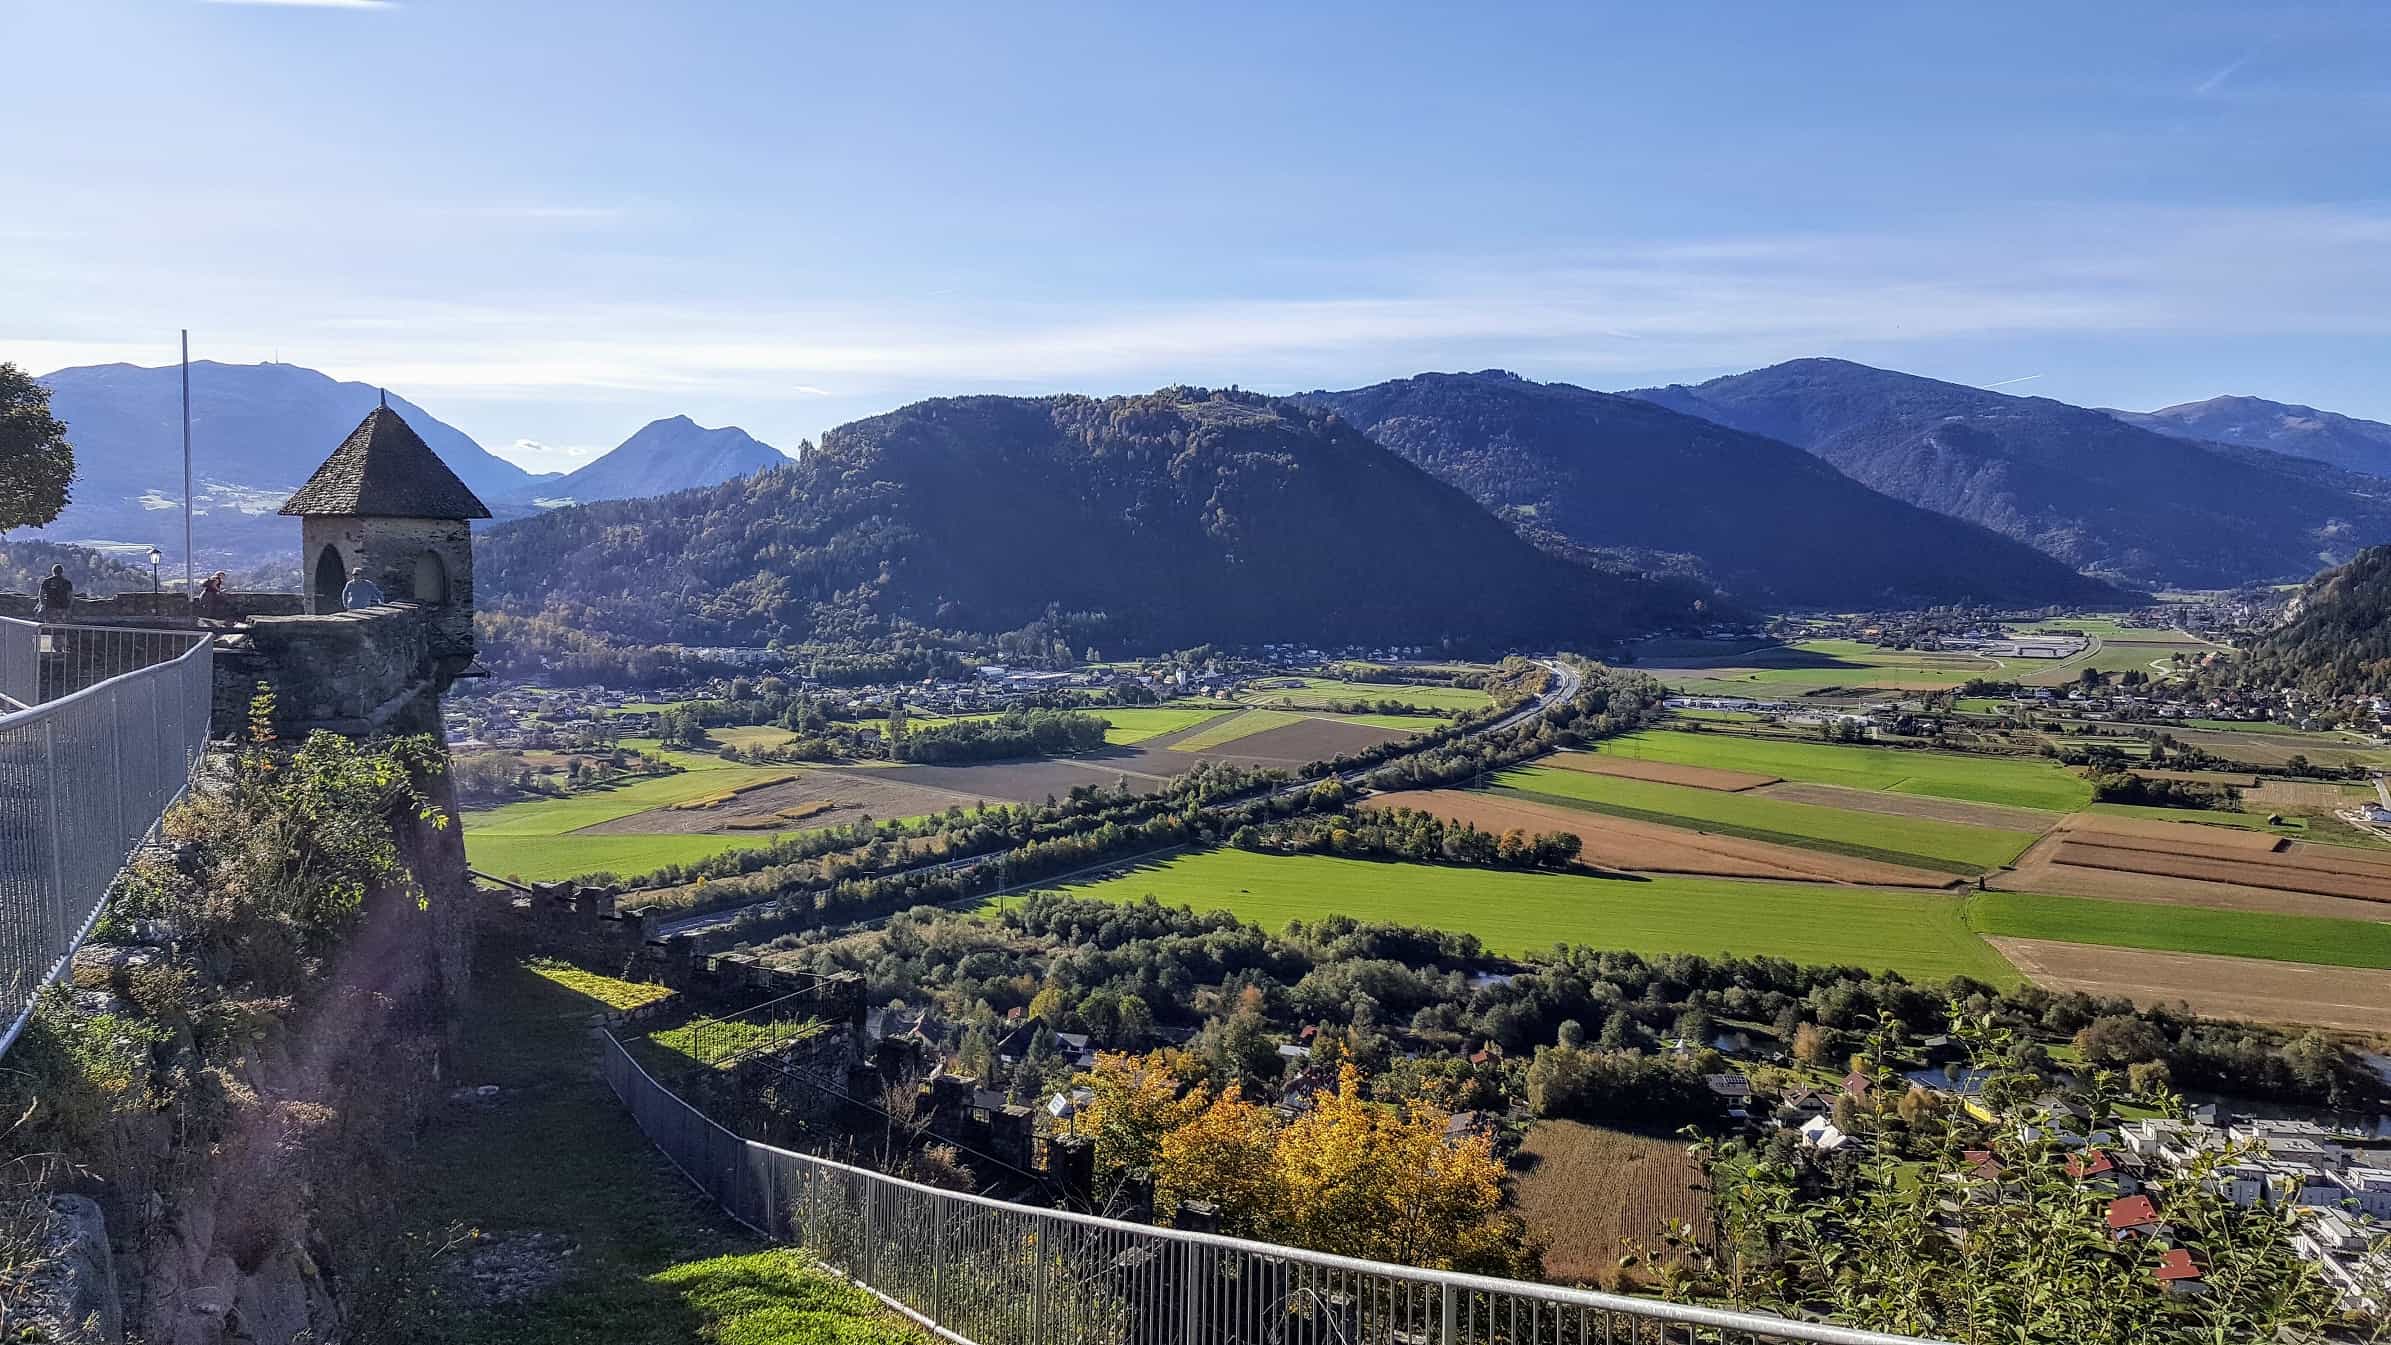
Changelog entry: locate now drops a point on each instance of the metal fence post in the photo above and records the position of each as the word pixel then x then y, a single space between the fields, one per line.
pixel 1448 1325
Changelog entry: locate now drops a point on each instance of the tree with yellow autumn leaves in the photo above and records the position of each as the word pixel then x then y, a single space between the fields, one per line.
pixel 1349 1175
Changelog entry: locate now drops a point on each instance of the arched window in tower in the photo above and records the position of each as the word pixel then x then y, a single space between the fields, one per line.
pixel 330 575
pixel 431 579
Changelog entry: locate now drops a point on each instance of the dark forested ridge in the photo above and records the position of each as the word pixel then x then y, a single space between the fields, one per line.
pixel 1766 521
pixel 2281 427
pixel 1165 519
pixel 2337 638
pixel 2078 484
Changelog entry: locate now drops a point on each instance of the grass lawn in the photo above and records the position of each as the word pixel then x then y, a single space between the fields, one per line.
pixel 1917 934
pixel 1317 691
pixel 2017 782
pixel 1720 716
pixel 653 1262
pixel 1947 846
pixel 2183 929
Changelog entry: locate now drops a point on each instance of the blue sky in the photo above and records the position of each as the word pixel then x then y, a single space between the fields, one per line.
pixel 550 223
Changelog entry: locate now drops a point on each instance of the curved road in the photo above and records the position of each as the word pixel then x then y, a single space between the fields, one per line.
pixel 1566 681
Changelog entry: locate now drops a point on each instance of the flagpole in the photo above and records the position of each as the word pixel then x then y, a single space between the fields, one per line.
pixel 188 590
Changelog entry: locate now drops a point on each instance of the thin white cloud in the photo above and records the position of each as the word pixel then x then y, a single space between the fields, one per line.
pixel 2027 378
pixel 310 4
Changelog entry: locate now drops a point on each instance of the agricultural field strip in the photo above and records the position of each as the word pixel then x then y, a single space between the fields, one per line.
pixel 552 817
pixel 1652 847
pixel 1318 691
pixel 2266 872
pixel 1951 846
pixel 2342 998
pixel 1920 934
pixel 2308 939
pixel 1666 772
pixel 2011 782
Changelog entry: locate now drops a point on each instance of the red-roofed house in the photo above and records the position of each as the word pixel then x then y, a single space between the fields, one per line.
pixel 2177 1274
pixel 2133 1217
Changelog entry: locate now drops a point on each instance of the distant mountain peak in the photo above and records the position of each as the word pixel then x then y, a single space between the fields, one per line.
pixel 662 456
pixel 2292 428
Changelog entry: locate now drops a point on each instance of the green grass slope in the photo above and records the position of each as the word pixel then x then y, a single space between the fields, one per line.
pixel 2018 782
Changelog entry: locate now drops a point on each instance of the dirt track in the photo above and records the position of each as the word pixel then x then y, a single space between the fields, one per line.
pixel 1911 805
pixel 2348 998
pixel 1649 847
pixel 1662 772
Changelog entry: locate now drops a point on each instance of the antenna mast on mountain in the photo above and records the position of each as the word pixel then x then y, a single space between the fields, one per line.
pixel 188 589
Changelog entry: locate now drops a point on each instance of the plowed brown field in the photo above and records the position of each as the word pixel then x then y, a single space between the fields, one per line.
pixel 2185 836
pixel 2034 872
pixel 1911 805
pixel 1665 772
pixel 1649 847
pixel 2345 998
pixel 2276 872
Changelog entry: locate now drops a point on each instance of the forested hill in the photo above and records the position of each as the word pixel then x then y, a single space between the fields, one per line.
pixel 1167 519
pixel 1768 522
pixel 2078 484
pixel 2337 641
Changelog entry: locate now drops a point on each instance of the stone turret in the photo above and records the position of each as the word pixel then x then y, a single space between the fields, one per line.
pixel 384 502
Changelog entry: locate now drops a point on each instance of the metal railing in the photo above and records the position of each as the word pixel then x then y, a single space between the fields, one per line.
pixel 990 1272
pixel 20 664
pixel 85 774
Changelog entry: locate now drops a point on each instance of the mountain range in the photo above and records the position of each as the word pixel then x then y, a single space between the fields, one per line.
pixel 1172 518
pixel 2279 427
pixel 1629 479
pixel 257 430
pixel 664 456
pixel 2099 493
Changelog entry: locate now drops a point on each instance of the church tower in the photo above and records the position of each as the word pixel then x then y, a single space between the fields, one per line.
pixel 385 502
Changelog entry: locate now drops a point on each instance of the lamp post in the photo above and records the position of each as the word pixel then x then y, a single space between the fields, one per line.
pixel 154 558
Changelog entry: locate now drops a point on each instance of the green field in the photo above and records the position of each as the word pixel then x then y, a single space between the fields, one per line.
pixel 1135 724
pixel 1244 724
pixel 552 859
pixel 2015 781
pixel 1810 665
pixel 747 737
pixel 1920 935
pixel 539 840
pixel 2183 929
pixel 1318 691
pixel 1950 847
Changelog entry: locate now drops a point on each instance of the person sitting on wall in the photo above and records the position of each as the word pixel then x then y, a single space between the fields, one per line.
pixel 212 604
pixel 57 590
pixel 360 591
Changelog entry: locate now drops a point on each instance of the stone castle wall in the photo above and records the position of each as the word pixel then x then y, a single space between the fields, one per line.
pixel 376 670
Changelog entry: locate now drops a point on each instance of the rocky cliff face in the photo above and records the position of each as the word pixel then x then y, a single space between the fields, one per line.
pixel 250 1210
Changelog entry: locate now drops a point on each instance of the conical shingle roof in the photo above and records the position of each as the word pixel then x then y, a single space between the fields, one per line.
pixel 384 469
